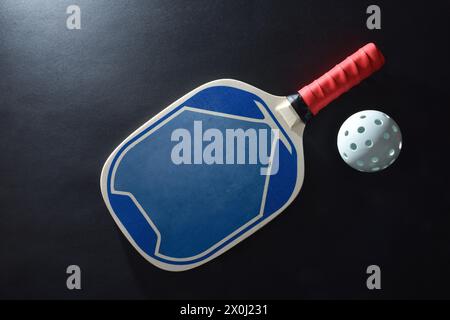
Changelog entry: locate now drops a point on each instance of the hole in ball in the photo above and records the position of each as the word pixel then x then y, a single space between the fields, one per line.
pixel 368 143
pixel 353 146
pixel 386 136
pixel 361 129
pixel 378 122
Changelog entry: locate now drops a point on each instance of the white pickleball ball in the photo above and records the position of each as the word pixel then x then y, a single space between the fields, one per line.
pixel 369 141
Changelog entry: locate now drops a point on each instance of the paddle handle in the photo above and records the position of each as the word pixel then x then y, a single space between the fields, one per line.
pixel 342 77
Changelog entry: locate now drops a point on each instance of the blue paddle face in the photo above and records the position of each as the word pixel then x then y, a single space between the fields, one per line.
pixel 201 176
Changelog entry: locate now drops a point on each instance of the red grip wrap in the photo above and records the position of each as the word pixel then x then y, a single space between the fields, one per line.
pixel 342 77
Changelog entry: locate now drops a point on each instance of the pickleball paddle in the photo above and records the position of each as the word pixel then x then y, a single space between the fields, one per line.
pixel 217 164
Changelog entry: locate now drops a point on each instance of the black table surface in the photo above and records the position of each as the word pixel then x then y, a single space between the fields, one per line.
pixel 68 97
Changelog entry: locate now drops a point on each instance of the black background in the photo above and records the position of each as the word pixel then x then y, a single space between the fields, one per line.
pixel 68 97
